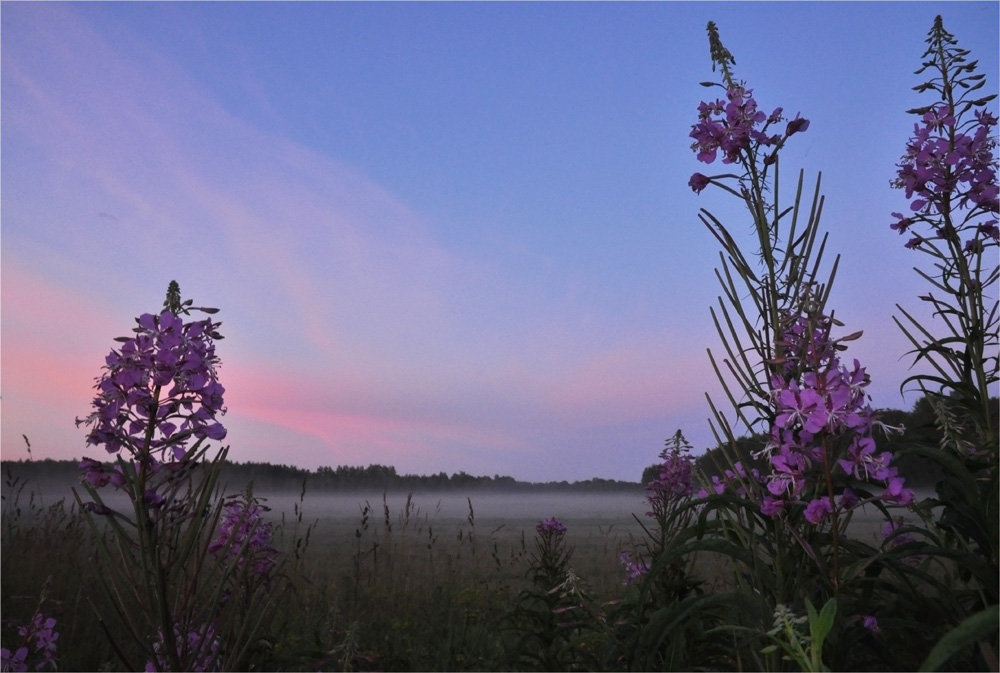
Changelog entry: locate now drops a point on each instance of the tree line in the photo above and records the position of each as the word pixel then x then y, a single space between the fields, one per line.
pixel 269 477
pixel 920 424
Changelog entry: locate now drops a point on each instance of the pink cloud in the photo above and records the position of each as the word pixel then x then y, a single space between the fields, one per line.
pixel 638 379
pixel 54 342
pixel 350 413
pixel 349 327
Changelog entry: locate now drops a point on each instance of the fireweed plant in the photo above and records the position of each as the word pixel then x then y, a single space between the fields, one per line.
pixel 554 625
pixel 668 495
pixel 189 573
pixel 782 524
pixel 651 623
pixel 948 173
pixel 35 647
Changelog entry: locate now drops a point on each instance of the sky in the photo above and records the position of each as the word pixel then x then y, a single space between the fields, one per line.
pixel 443 237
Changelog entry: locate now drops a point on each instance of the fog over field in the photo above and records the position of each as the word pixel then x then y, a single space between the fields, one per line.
pixel 455 505
pixel 583 513
pixel 587 513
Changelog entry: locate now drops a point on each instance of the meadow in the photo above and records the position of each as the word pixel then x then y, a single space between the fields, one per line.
pixel 377 581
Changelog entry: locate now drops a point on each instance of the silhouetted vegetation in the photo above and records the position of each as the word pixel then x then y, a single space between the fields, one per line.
pixel 919 429
pixel 267 477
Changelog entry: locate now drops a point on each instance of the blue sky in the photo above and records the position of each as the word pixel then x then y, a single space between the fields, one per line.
pixel 442 236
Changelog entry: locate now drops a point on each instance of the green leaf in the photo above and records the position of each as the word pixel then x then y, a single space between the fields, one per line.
pixel 821 627
pixel 972 629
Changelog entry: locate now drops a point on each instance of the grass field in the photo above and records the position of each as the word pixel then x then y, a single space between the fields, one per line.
pixel 376 581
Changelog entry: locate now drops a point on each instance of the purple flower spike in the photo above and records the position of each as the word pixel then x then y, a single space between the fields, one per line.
pixel 948 165
pixel 241 521
pixel 550 527
pixel 817 398
pixel 165 377
pixel 736 127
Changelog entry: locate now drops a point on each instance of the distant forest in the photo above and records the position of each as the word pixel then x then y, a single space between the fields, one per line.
pixel 267 477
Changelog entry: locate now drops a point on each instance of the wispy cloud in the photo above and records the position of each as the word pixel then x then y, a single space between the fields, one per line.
pixel 353 335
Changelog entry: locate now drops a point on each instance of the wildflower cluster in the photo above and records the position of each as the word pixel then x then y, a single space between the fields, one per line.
pixel 671 486
pixel 675 477
pixel 635 567
pixel 550 528
pixel 38 642
pixel 734 479
pixel 820 403
pixel 731 126
pixel 549 562
pixel 244 535
pixel 946 168
pixel 738 129
pixel 550 613
pixel 158 391
pixel 191 578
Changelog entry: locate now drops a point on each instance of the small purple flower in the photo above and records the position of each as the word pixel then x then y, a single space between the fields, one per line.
pixel 94 508
pixel 93 473
pixel 895 492
pixel 698 182
pixel 635 568
pixel 797 125
pixel 14 661
pixel 772 506
pixel 153 499
pixel 550 527
pixel 38 641
pixel 818 510
pixel 902 223
pixel 734 480
pixel 848 499
pixel 870 623
pixel 242 521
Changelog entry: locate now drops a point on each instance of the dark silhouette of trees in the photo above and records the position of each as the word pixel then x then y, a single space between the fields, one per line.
pixel 920 425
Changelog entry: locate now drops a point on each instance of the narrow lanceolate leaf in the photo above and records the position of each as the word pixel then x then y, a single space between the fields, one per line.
pixel 980 626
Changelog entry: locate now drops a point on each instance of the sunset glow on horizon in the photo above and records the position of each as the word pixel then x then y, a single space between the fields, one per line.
pixel 443 237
